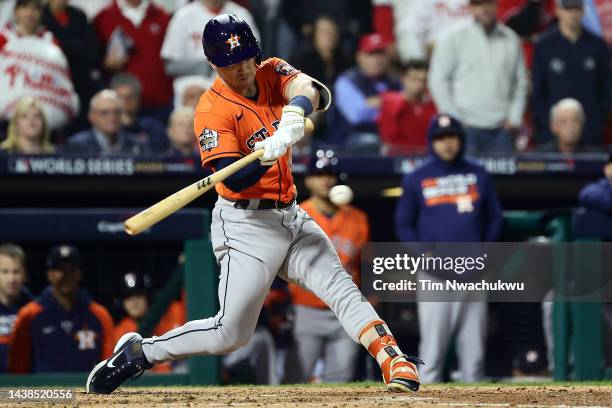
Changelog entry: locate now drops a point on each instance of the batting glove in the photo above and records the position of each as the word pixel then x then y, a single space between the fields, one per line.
pixel 292 122
pixel 274 146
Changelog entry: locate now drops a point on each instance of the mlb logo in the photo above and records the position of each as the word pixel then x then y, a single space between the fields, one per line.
pixel 208 139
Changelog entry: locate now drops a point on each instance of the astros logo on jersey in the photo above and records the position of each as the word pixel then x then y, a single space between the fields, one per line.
pixel 233 41
pixel 86 339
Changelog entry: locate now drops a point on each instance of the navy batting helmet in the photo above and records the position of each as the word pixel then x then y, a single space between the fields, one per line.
pixel 323 162
pixel 135 284
pixel 228 39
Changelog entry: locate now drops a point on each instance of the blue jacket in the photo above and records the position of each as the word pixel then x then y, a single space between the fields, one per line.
pixel 351 112
pixel 597 196
pixel 448 202
pixel 8 314
pixel 49 338
pixel 580 70
pixel 86 142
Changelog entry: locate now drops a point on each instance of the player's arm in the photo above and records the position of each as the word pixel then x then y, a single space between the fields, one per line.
pixel 20 348
pixel 243 178
pixel 304 95
pixel 302 86
pixel 219 148
pixel 108 332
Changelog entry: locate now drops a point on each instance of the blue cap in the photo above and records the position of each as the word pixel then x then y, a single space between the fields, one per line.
pixel 63 254
pixel 444 124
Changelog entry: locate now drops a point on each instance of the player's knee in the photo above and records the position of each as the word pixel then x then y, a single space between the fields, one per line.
pixel 234 339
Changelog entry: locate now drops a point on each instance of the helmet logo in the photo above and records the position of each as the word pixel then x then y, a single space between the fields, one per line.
pixel 233 41
pixel 444 121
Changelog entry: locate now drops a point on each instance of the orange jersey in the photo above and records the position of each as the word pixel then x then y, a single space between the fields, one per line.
pixel 228 125
pixel 348 230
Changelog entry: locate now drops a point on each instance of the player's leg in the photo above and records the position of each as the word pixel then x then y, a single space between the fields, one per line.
pixel 248 265
pixel 471 339
pixel 435 320
pixel 312 263
pixel 340 353
pixel 307 345
pixel 246 262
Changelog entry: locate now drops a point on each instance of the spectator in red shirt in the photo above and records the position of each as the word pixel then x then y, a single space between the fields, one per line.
pixel 131 33
pixel 405 115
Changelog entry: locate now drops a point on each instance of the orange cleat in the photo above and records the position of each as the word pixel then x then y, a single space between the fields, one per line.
pixel 399 371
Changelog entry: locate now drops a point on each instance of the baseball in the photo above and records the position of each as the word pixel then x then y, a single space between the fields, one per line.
pixel 341 195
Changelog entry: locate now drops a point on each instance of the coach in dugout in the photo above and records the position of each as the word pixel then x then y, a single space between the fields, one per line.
pixel 62 330
pixel 449 199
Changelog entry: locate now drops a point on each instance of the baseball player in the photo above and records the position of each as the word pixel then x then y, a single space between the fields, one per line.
pixel 258 230
pixel 317 331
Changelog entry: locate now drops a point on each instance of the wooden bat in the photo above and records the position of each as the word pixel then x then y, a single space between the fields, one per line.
pixel 157 212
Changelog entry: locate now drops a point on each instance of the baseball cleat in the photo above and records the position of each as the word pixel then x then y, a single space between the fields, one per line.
pixel 404 375
pixel 128 361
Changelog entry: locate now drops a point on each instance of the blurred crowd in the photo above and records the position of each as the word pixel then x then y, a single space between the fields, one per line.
pixel 123 76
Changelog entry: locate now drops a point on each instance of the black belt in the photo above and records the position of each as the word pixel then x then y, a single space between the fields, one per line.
pixel 246 204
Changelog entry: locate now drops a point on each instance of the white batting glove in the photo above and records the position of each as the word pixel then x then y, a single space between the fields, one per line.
pixel 292 121
pixel 274 147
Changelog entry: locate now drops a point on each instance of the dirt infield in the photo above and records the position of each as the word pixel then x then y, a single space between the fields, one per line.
pixel 535 396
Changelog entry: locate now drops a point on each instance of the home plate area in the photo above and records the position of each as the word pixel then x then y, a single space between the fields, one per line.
pixel 353 395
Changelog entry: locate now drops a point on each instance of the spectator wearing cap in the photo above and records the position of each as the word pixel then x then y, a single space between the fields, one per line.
pixel 597 196
pixel 567 125
pixel 478 75
pixel 571 62
pixel 358 93
pixel 317 333
pixel 405 115
pixel 449 199
pixel 13 294
pixel 136 291
pixel 62 330
pixel 106 136
pixel 149 130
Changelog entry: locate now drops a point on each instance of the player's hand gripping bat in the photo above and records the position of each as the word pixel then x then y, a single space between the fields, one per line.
pixel 157 212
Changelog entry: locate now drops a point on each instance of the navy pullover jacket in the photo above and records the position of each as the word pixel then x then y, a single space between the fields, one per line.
pixel 448 202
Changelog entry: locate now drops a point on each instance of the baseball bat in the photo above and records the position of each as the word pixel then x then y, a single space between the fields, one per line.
pixel 162 209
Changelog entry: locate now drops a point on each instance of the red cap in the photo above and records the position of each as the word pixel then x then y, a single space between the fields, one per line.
pixel 369 43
